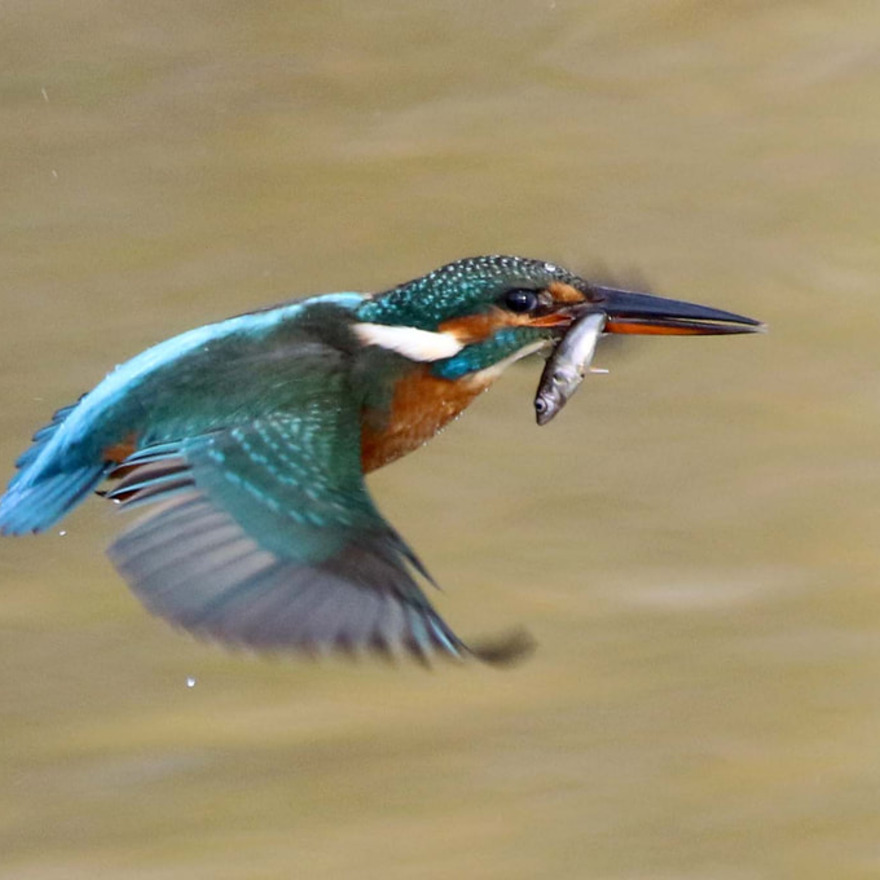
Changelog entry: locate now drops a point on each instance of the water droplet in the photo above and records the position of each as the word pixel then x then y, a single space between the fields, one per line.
pixel 45 95
pixel 190 681
pixel 63 532
pixel 550 267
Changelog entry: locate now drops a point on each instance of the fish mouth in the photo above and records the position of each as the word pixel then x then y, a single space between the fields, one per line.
pixel 642 313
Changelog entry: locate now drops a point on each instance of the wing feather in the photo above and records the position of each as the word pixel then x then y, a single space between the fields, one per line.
pixel 266 537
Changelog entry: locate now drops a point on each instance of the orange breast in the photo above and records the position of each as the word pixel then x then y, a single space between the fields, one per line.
pixel 421 406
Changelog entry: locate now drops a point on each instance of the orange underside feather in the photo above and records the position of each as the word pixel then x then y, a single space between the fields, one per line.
pixel 422 405
pixel 118 452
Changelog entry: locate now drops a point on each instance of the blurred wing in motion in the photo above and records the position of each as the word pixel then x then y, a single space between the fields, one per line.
pixel 265 536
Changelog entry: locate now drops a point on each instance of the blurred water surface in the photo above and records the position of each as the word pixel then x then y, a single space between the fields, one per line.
pixel 693 541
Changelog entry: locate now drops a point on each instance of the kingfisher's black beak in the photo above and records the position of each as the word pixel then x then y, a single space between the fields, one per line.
pixel 629 312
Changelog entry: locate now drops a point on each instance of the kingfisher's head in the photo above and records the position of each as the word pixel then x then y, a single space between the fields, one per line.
pixel 485 312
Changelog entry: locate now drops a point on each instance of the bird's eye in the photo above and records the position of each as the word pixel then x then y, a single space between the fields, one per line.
pixel 520 301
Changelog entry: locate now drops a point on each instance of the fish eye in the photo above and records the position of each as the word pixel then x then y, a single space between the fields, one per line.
pixel 520 301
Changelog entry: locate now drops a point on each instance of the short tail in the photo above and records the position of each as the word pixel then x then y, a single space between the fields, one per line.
pixel 45 488
pixel 35 506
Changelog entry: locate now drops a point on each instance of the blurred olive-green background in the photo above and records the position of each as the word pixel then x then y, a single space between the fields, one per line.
pixel 693 542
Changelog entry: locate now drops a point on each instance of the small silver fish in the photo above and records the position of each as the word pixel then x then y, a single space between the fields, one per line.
pixel 567 365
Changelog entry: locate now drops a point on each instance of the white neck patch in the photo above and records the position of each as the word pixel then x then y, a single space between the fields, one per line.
pixel 411 342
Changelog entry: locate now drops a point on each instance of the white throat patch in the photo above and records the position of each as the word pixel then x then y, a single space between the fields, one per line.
pixel 411 342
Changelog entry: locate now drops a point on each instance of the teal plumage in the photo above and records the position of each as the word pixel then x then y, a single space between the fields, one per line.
pixel 248 440
pixel 460 288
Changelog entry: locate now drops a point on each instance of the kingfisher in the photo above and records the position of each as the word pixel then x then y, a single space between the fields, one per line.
pixel 248 440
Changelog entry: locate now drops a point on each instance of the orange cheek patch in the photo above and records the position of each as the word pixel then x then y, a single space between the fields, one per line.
pixel 473 328
pixel 565 294
pixel 476 328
